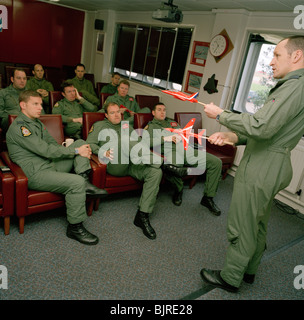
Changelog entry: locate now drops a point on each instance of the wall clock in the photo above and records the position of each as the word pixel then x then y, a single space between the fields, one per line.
pixel 222 45
pixel 219 45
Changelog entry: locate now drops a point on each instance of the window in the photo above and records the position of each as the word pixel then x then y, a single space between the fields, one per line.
pixel 256 79
pixel 152 55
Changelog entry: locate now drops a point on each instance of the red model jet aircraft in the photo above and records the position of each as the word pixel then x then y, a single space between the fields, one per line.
pixel 185 133
pixel 182 96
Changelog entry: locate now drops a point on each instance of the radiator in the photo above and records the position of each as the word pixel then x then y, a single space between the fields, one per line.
pixel 238 155
pixel 297 162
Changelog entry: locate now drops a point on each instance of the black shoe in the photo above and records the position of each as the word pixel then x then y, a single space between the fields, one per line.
pixel 80 233
pixel 178 197
pixel 142 221
pixel 176 171
pixel 92 190
pixel 209 203
pixel 249 278
pixel 213 277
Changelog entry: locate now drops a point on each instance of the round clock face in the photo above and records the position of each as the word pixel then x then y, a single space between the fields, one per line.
pixel 218 45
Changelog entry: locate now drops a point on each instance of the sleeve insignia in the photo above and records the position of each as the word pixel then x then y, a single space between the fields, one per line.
pixel 25 131
pixel 92 128
pixel 56 105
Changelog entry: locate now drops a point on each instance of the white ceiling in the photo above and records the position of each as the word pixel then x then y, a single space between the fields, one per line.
pixel 184 5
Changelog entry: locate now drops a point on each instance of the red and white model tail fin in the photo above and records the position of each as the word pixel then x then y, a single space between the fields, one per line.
pixel 199 136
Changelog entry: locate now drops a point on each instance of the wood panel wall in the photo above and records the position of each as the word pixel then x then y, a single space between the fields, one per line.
pixel 42 33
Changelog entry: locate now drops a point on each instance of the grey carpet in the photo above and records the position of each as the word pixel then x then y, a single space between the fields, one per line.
pixel 44 264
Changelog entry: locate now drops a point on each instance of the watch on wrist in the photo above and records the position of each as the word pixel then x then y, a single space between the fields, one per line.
pixel 76 151
pixel 218 117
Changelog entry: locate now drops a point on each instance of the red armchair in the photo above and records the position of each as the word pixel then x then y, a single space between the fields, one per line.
pixel 32 201
pixel 141 120
pixel 54 96
pixel 103 98
pixel 7 196
pixel 225 153
pixel 99 86
pixel 146 100
pixel 106 181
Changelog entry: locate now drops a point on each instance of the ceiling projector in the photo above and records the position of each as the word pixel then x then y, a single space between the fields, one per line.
pixel 168 13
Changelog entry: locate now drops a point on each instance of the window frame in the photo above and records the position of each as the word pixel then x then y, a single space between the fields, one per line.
pixel 248 68
pixel 145 79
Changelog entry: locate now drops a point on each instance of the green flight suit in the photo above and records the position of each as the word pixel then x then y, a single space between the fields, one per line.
pixel 126 162
pixel 72 109
pixel 128 102
pixel 85 86
pixel 179 157
pixel 47 164
pixel 109 88
pixel 35 84
pixel 9 104
pixel 265 169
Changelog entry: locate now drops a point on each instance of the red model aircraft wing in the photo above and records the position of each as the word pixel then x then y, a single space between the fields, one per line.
pixel 189 125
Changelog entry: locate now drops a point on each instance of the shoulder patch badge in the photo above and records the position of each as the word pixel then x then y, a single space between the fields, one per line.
pixel 25 131
pixel 56 105
pixel 173 124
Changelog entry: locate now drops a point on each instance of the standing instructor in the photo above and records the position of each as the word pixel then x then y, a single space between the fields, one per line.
pixel 270 134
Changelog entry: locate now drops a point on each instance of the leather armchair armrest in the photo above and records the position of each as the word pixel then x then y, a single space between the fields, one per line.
pixel 21 184
pixel 99 172
pixel 8 191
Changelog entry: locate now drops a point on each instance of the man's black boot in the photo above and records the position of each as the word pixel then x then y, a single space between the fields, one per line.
pixel 249 278
pixel 142 221
pixel 92 190
pixel 80 233
pixel 213 277
pixel 174 170
pixel 209 203
pixel 178 197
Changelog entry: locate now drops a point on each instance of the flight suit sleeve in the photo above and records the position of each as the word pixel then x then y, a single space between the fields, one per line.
pixel 92 139
pixel 58 109
pixel 50 86
pixel 90 97
pixel 156 135
pixel 135 107
pixel 27 140
pixel 87 106
pixel 279 108
pixel 105 89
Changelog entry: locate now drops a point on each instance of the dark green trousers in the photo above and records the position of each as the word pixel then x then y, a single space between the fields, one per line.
pixel 58 179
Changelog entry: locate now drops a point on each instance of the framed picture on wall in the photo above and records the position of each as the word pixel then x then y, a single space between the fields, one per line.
pixel 199 53
pixel 193 83
pixel 100 42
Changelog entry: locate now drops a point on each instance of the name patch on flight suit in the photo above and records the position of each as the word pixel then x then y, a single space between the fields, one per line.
pixel 25 131
pixel 173 124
